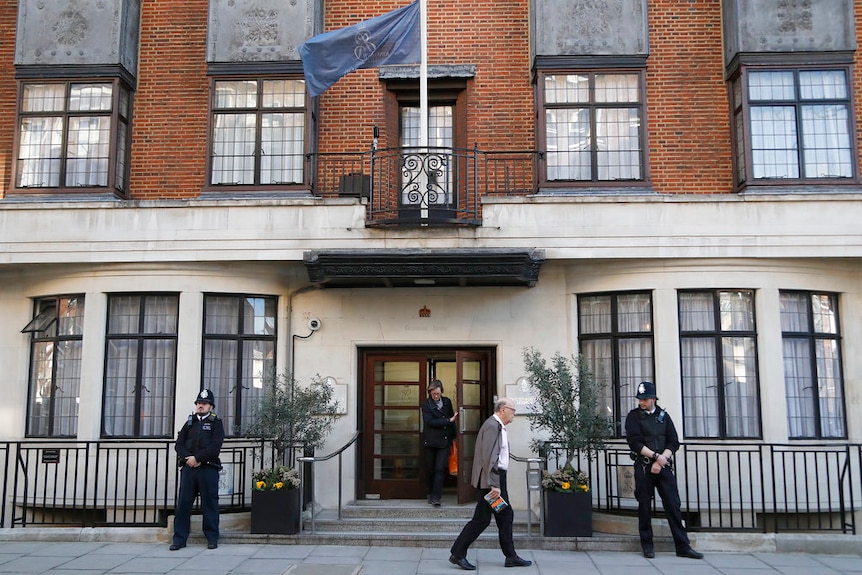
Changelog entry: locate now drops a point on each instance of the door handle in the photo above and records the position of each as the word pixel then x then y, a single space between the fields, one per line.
pixel 461 413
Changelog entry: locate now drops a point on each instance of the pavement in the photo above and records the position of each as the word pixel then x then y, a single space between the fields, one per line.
pixel 148 558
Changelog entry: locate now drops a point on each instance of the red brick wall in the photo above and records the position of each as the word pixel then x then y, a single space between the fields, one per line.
pixel 687 113
pixel 8 94
pixel 171 103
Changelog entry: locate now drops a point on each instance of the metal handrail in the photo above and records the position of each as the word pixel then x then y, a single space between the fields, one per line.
pixel 318 459
pixel 535 465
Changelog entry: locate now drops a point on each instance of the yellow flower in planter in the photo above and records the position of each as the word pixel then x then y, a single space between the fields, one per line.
pixel 566 485
pixel 260 484
pixel 275 478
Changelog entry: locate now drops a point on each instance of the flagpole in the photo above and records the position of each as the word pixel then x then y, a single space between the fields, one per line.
pixel 423 103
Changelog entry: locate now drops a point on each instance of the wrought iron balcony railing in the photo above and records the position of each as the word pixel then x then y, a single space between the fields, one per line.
pixel 424 186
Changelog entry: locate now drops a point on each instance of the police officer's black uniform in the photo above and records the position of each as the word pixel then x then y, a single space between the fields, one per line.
pixel 655 431
pixel 201 437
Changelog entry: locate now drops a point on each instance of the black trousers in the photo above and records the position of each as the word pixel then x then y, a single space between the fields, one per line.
pixel 482 518
pixel 201 480
pixel 646 484
pixel 436 466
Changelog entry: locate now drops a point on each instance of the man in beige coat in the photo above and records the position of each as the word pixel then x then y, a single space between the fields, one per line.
pixel 490 466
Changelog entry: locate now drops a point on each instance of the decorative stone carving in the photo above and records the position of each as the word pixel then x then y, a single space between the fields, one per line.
pixel 259 30
pixel 589 27
pixel 775 26
pixel 78 32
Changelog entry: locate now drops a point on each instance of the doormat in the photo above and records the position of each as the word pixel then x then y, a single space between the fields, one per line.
pixel 315 569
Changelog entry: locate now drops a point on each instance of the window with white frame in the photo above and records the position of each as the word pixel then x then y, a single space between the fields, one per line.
pixel 140 365
pixel 74 135
pixel 239 336
pixel 593 126
pixel 718 350
pixel 258 132
pixel 56 336
pixel 615 334
pixel 793 124
pixel 813 382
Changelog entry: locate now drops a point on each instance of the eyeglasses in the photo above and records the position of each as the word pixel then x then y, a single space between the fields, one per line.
pixel 512 408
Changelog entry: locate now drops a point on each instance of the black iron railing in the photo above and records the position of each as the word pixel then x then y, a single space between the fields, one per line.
pixel 743 487
pixel 424 186
pixel 114 482
pixel 723 487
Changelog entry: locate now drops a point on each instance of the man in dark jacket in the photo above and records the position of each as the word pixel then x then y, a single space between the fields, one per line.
pixel 198 445
pixel 438 432
pixel 653 440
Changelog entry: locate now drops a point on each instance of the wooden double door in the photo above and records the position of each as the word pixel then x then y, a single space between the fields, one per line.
pixel 393 384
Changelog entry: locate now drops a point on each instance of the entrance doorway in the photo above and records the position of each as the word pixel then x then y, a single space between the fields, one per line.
pixel 392 385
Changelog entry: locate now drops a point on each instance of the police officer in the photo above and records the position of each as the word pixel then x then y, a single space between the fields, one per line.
pixel 653 440
pixel 198 445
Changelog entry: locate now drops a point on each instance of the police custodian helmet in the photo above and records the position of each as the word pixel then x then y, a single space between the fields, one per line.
pixel 646 390
pixel 205 396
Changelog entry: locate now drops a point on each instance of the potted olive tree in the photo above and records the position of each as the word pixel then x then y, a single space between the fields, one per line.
pixel 567 414
pixel 290 416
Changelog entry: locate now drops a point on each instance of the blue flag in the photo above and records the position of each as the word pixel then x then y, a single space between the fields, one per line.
pixel 391 38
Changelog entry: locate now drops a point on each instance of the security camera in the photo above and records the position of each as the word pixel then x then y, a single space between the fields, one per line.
pixel 314 324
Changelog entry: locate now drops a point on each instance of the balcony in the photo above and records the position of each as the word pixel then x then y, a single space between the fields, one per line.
pixel 424 186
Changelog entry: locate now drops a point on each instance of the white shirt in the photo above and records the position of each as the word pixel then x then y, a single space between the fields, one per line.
pixel 503 460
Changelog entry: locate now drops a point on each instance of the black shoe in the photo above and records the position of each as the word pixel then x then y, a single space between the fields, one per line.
pixel 212 545
pixel 649 553
pixel 175 546
pixel 517 562
pixel 690 553
pixel 435 503
pixel 462 563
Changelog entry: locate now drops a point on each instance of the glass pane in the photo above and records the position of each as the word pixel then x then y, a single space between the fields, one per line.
pixel 259 316
pixel 794 312
pixel 822 85
pixel 39 148
pixel 824 312
pixel 774 142
pixel 283 94
pixel 826 141
pixel 736 311
pixel 696 312
pixel 700 387
pixel 830 388
pixel 771 86
pixel 161 315
pixel 71 316
pixel 396 371
pixel 124 314
pixel 158 374
pixel 236 94
pixel 567 88
pixel 471 393
pixel 568 144
pixel 219 375
pixel 471 370
pixel 120 387
pixel 634 313
pixel 618 143
pixel 396 395
pixel 389 468
pixel 221 315
pixel 617 88
pixel 473 419
pixel 282 143
pixel 799 388
pixel 90 97
pixel 44 98
pixel 391 444
pixel 233 148
pixel 594 314
pixel 87 151
pixel 396 419
pixel 740 387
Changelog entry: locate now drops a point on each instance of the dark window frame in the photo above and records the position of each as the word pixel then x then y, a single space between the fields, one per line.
pixel 592 70
pixel 741 130
pixel 119 145
pixel 812 337
pixel 718 335
pixel 228 75
pixel 234 419
pixel 140 337
pixel 615 336
pixel 43 330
